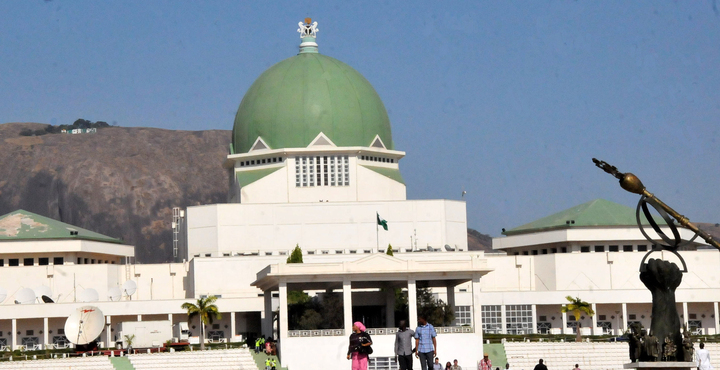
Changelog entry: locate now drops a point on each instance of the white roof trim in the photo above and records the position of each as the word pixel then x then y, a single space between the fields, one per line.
pixel 378 143
pixel 259 144
pixel 321 139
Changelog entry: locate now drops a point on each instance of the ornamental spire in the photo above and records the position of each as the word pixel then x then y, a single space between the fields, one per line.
pixel 308 32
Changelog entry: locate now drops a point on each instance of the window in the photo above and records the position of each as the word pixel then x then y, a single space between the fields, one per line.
pixel 58 261
pixel 322 171
pixel 2 262
pixel 585 249
pixel 382 363
pixel 463 315
pixel 518 318
pixel 553 250
pixel 602 317
pixel 491 320
pixel 544 251
pixel 85 261
pixel 29 332
pixel 642 248
pixel 564 249
pixel 28 261
pixel 325 252
pixel 525 253
pixel 534 252
pixel 544 327
pixel 599 248
pixel 627 248
pixel 632 316
pixel 43 261
pixel 79 260
pixel 61 331
pixel 14 262
pixel 613 248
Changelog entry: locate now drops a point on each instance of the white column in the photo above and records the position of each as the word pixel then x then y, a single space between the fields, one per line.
pixel 283 311
pixel 564 323
pixel 451 299
pixel 624 317
pixel 347 306
pixel 717 317
pixel 267 314
pixel 503 320
pixel 170 318
pixel 476 307
pixel 533 309
pixel 232 326
pixel 14 334
pixel 45 332
pixel 108 331
pixel 685 315
pixel 389 307
pixel 412 304
pixel 594 319
pixel 139 317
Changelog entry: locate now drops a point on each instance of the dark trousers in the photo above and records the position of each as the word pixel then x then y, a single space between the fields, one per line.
pixel 405 362
pixel 426 360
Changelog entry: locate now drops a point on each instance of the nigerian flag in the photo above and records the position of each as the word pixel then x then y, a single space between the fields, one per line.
pixel 381 221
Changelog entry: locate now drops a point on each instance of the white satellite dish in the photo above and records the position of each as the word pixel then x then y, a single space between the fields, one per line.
pixel 3 294
pixel 89 295
pixel 129 287
pixel 84 325
pixel 114 294
pixel 43 291
pixel 25 296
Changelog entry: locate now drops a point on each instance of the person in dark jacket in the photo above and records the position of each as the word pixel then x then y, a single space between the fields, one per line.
pixel 540 366
pixel 359 347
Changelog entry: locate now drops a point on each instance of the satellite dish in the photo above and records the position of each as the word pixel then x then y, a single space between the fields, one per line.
pixel 44 291
pixel 89 295
pixel 25 296
pixel 84 325
pixel 114 294
pixel 3 294
pixel 129 287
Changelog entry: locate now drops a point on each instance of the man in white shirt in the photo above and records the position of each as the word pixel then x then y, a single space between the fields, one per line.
pixel 703 358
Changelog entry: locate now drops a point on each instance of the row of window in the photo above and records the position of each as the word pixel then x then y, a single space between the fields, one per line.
pixel 31 332
pixel 377 159
pixel 322 171
pixel 92 261
pixel 42 261
pixel 586 249
pixel 256 162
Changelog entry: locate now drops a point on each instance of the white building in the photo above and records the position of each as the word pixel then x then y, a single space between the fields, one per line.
pixel 313 164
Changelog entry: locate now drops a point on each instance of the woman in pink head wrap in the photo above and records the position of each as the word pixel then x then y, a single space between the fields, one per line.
pixel 359 347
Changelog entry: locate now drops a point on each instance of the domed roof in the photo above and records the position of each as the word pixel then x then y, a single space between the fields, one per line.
pixel 300 97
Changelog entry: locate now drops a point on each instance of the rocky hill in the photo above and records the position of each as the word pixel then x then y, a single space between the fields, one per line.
pixel 121 182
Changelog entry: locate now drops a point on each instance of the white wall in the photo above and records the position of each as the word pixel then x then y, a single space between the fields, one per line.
pixel 329 226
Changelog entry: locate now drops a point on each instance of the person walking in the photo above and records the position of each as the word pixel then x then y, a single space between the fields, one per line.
pixel 437 365
pixel 403 346
pixel 540 366
pixel 425 343
pixel 359 347
pixel 456 366
pixel 485 363
pixel 507 366
pixel 703 358
pixel 577 367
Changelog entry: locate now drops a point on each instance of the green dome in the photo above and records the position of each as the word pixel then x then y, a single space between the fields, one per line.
pixel 296 99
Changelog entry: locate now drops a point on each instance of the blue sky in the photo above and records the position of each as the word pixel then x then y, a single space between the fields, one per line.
pixel 509 100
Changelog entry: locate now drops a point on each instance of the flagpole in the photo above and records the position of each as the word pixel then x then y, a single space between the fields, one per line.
pixel 377 236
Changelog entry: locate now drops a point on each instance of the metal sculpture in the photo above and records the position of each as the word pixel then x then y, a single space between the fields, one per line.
pixel 659 276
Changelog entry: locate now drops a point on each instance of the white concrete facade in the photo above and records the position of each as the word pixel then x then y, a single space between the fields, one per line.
pixel 325 228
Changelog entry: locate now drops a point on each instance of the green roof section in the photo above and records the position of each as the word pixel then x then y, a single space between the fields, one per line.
pixel 300 97
pixel 23 225
pixel 248 177
pixel 596 213
pixel 392 173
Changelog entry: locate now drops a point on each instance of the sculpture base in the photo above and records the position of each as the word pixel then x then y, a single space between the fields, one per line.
pixel 661 365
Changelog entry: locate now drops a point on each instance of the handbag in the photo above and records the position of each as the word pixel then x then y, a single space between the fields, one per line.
pixel 365 349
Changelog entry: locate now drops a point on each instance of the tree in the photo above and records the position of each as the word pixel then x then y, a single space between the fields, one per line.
pixel 296 255
pixel 577 307
pixel 205 309
pixel 435 310
pixel 389 251
pixel 130 339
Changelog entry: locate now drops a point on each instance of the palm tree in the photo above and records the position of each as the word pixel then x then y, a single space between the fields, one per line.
pixel 205 309
pixel 577 306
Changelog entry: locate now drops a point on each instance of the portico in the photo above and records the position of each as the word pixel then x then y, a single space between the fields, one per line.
pixel 310 348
